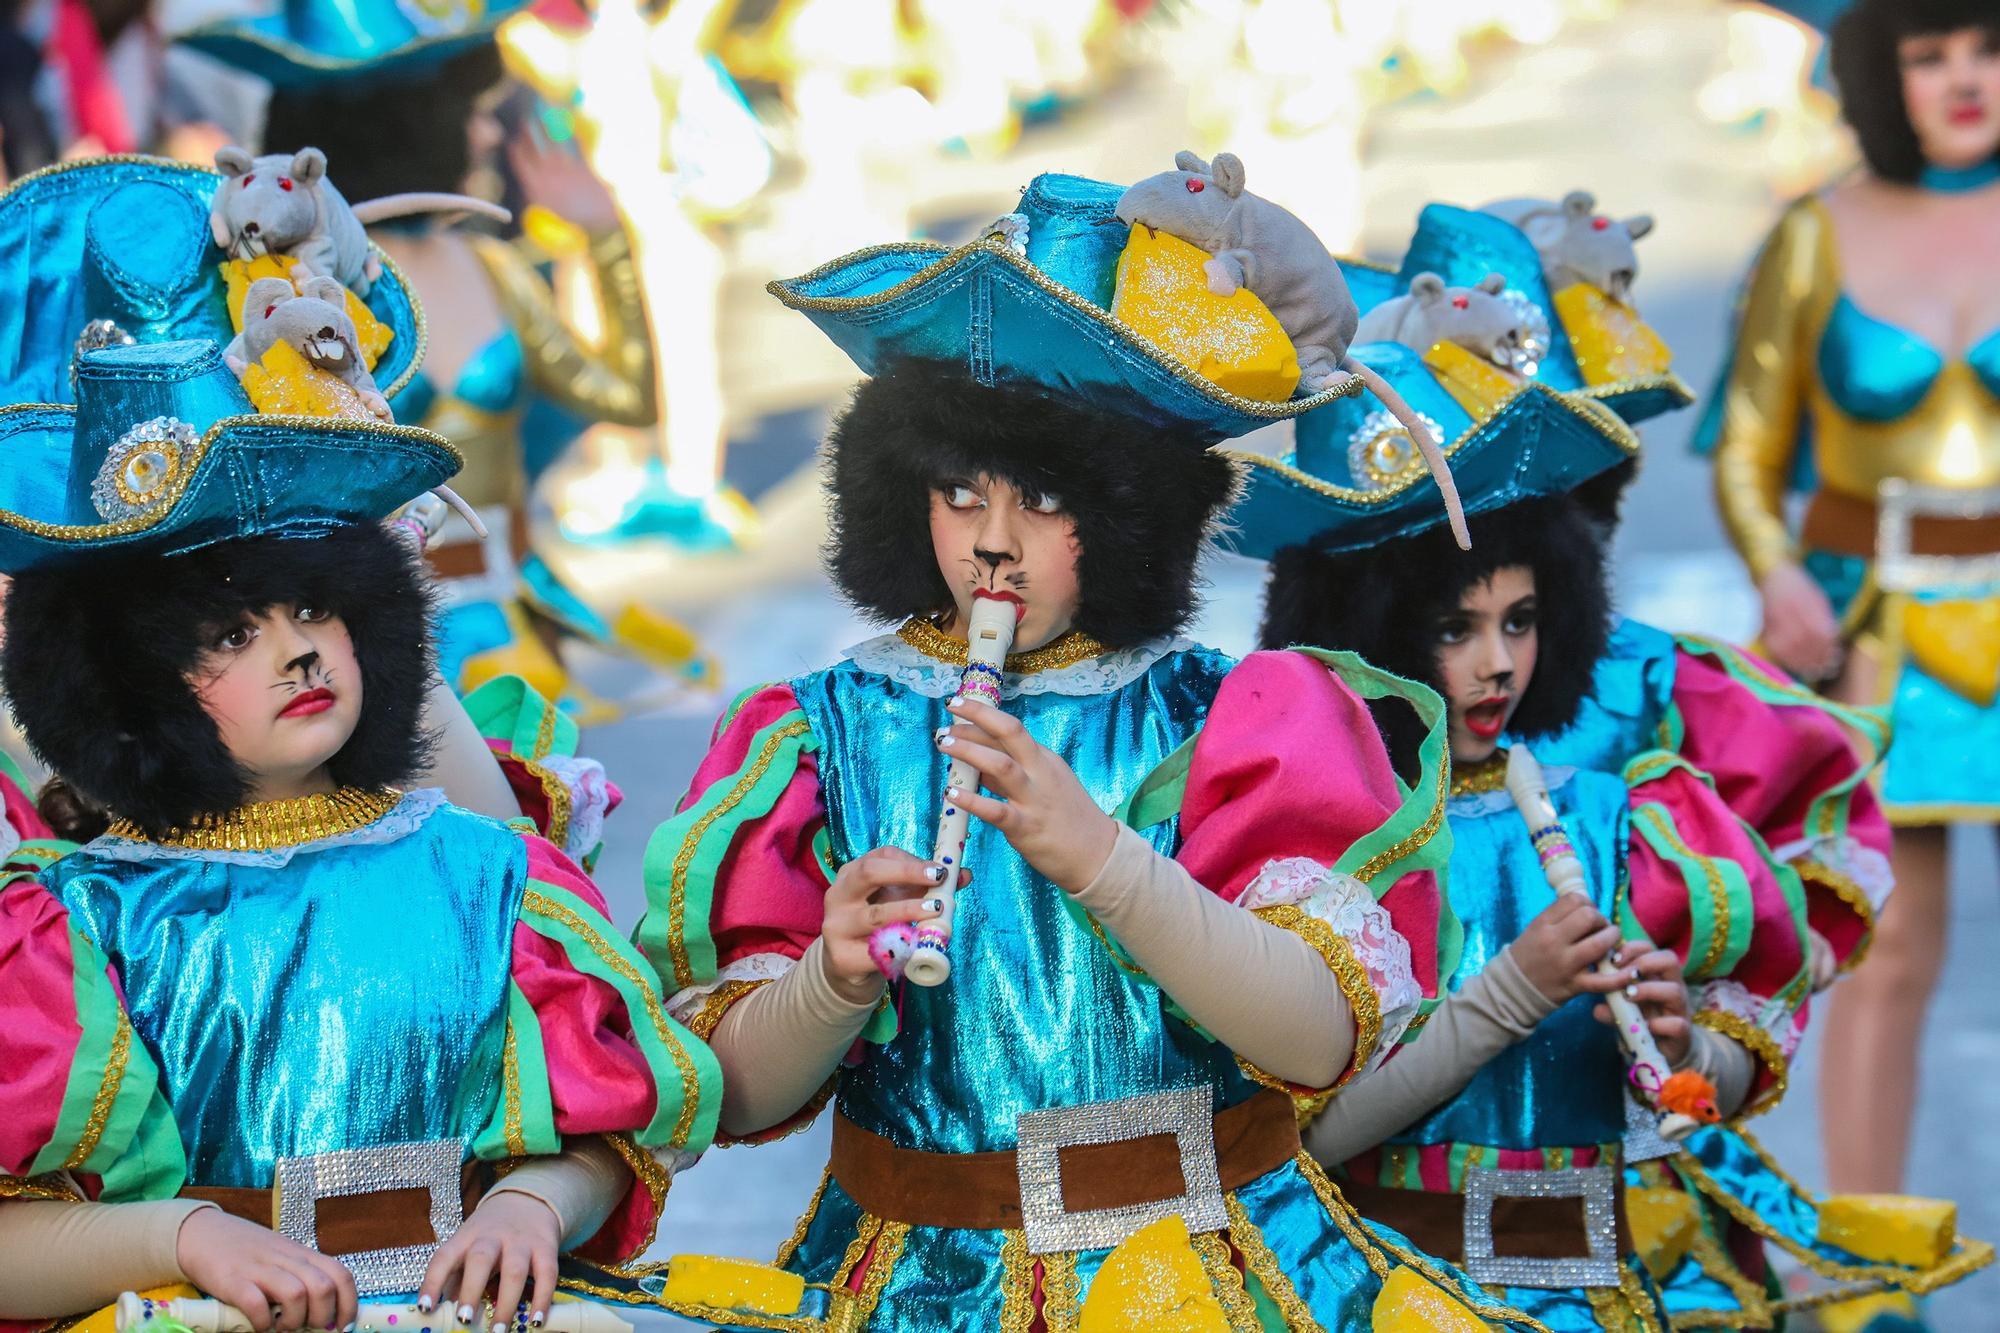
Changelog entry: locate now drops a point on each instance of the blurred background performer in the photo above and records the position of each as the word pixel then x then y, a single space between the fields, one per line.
pixel 1868 354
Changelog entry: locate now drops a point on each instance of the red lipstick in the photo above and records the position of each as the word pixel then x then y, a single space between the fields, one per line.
pixel 1487 718
pixel 1970 113
pixel 308 702
pixel 1020 607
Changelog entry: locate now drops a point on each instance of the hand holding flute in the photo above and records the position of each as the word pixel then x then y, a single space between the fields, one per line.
pixel 1683 1100
pixel 138 1314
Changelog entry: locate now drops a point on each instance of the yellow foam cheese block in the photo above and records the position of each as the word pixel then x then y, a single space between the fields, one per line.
pixel 1154 1283
pixel 1412 1303
pixel 733 1284
pixel 284 383
pixel 1857 1315
pixel 1957 641
pixel 370 334
pixel 1890 1228
pixel 1233 341
pixel 1477 384
pixel 1611 342
pixel 1664 1223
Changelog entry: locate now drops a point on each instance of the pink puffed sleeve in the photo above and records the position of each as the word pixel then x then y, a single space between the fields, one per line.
pixel 1703 885
pixel 1291 809
pixel 1782 760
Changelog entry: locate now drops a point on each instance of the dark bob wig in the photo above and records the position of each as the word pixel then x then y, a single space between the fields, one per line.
pixel 1387 602
pixel 1870 76
pixel 1143 497
pixel 98 656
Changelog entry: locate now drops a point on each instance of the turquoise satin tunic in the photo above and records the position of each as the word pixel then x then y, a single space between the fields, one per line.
pixel 255 981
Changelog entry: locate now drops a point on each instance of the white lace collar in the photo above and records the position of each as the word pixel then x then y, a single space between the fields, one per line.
pixel 404 818
pixel 890 655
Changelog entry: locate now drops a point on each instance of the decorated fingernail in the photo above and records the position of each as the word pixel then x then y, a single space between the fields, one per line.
pixel 951 793
pixel 538 1319
pixel 933 905
pixel 955 704
pixel 498 1326
pixel 425 1305
pixel 947 741
pixel 935 874
pixel 466 1314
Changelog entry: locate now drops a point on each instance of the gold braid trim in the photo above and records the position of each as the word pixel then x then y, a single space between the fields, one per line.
pixel 705 1020
pixel 1250 1243
pixel 1718 893
pixel 886 1239
pixel 264 826
pixel 1844 888
pixel 1017 1283
pixel 789 1250
pixel 1063 650
pixel 1227 1280
pixel 50 1185
pixel 1488 775
pixel 1062 1293
pixel 1760 1044
pixel 1771 1164
pixel 734 1318
pixel 107 1093
pixel 652 1177
pixel 1381 860
pixel 1626 1308
pixel 1339 957
pixel 510 1072
pixel 1973 1255
pixel 1714 1262
pixel 543 905
pixel 677 883
pixel 1378 1250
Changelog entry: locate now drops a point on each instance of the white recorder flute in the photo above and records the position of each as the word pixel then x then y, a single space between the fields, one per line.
pixel 1650 1073
pixel 924 954
pixel 135 1314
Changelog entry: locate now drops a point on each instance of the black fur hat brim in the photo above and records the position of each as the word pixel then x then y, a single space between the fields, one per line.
pixel 1143 498
pixel 97 657
pixel 1386 602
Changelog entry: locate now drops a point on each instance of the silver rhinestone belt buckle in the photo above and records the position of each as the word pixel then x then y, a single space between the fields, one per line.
pixel 1595 1185
pixel 1897 568
pixel 433 1167
pixel 1186 1113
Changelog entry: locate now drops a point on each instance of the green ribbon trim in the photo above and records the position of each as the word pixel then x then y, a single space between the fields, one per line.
pixel 530 1084
pixel 697 839
pixel 507 709
pixel 596 952
pixel 1827 814
pixel 138 1152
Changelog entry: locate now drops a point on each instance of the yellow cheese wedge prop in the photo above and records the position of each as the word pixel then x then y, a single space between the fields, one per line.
pixel 1233 341
pixel 1856 1315
pixel 1477 384
pixel 286 384
pixel 733 1284
pixel 1664 1223
pixel 1890 1228
pixel 371 334
pixel 1957 641
pixel 1412 1303
pixel 1154 1283
pixel 1611 342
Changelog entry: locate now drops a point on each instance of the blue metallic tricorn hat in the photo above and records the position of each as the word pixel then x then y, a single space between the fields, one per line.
pixel 163 452
pixel 1035 313
pixel 297 43
pixel 1463 246
pixel 126 240
pixel 1355 480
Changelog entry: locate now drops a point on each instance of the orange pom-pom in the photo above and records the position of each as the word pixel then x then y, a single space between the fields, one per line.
pixel 1688 1093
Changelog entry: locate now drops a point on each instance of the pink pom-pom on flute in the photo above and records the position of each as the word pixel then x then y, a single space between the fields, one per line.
pixel 922 952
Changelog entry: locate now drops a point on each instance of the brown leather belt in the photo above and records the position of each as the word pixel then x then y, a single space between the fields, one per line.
pixel 982 1190
pixel 353 1223
pixel 1525 1228
pixel 1845 524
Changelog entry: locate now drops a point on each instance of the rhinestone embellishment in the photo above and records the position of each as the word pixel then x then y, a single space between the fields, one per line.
pixel 1010 230
pixel 141 467
pixel 432 1166
pixel 1186 1113
pixel 1524 358
pixel 97 333
pixel 1381 454
pixel 1595 1185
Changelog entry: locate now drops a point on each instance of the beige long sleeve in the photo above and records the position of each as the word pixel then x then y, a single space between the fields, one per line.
pixel 1725 1063
pixel 779 1044
pixel 1260 990
pixel 581 1185
pixel 60 1258
pixel 1494 1009
pixel 461 763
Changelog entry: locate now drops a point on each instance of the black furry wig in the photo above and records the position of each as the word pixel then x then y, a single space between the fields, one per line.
pixel 1387 602
pixel 97 658
pixel 1143 497
pixel 1870 76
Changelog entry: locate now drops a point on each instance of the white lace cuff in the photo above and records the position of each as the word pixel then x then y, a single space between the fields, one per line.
pixel 589 801
pixel 1344 904
pixel 690 1006
pixel 1851 859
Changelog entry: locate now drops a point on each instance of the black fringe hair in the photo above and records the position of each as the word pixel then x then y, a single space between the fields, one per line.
pixel 97 658
pixel 1143 497
pixel 1870 78
pixel 1386 603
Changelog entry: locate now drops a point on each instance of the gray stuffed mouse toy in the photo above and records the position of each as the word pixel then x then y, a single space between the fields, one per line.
pixel 1254 243
pixel 1576 243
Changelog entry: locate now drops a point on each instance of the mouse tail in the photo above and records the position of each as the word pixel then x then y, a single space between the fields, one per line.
pixel 370 211
pixel 464 510
pixel 1421 435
